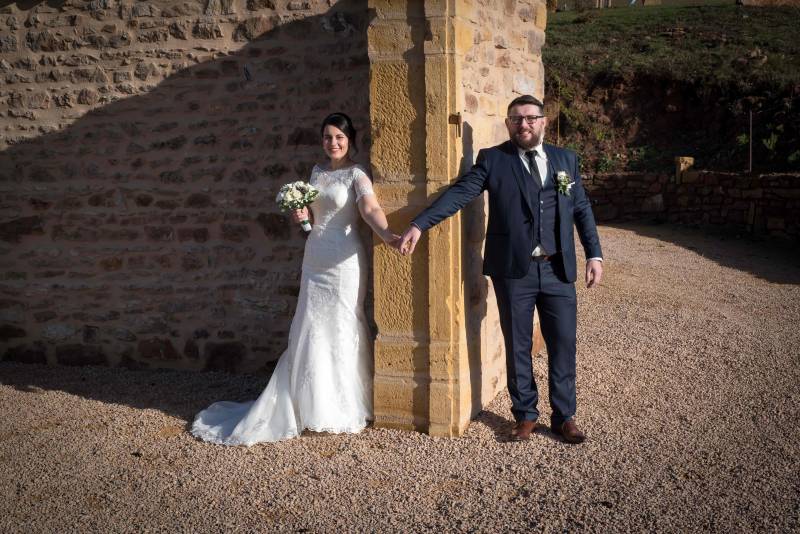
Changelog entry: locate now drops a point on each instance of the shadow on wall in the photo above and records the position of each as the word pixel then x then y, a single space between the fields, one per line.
pixel 476 286
pixel 25 5
pixel 145 233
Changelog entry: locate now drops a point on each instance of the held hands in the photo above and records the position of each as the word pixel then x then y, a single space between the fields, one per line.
pixel 594 272
pixel 390 238
pixel 408 241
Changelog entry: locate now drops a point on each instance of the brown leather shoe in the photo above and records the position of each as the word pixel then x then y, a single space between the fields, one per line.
pixel 522 430
pixel 569 431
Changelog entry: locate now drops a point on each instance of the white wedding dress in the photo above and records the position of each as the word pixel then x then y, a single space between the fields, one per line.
pixel 323 381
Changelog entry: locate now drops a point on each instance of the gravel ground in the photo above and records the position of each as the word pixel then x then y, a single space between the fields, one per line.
pixel 687 388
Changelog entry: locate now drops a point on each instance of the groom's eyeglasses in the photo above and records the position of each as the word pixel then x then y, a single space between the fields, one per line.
pixel 516 120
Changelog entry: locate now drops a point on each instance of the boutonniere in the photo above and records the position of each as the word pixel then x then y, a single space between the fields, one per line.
pixel 564 183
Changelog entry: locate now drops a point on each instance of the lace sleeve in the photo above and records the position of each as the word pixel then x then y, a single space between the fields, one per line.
pixel 314 175
pixel 361 183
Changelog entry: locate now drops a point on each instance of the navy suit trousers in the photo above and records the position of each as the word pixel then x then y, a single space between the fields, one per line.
pixel 544 290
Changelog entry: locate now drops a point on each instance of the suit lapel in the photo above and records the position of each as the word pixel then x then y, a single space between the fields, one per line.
pixel 554 164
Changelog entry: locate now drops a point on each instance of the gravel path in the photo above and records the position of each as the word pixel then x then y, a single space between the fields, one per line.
pixel 688 373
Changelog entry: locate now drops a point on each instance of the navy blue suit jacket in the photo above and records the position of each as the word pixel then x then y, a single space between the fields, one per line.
pixel 509 233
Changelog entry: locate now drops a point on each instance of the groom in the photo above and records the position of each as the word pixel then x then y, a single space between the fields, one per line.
pixel 536 198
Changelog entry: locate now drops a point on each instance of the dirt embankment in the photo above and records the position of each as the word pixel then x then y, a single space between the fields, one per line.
pixel 641 122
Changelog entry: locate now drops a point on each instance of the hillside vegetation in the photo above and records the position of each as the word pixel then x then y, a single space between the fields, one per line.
pixel 632 88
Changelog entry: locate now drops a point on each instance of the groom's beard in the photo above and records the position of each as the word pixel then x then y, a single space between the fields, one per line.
pixel 527 144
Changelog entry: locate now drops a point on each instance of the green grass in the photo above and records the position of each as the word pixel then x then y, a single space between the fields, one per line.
pixel 721 44
pixel 637 86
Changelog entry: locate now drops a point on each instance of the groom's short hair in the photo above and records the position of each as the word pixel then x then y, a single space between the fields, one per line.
pixel 525 99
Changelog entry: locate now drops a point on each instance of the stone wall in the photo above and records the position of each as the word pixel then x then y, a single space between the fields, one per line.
pixel 770 3
pixel 764 204
pixel 141 147
pixel 503 62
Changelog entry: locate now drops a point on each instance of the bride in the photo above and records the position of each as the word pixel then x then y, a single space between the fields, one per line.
pixel 323 381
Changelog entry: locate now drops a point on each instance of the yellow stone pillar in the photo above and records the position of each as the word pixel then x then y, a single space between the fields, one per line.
pixel 425 378
pixel 397 115
pixel 449 379
pixel 419 303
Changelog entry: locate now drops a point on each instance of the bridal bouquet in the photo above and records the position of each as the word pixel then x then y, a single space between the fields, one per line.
pixel 296 196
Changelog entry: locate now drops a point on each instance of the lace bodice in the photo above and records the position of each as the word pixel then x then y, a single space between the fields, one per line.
pixel 339 192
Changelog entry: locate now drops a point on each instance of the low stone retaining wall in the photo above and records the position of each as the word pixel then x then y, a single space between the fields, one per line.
pixel 760 204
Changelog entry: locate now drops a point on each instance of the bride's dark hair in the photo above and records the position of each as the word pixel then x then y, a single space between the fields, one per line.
pixel 342 122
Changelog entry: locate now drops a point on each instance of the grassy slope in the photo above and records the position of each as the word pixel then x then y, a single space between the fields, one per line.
pixel 746 58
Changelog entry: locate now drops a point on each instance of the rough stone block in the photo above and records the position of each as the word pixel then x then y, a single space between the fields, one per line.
pixel 393 39
pixel 119 40
pixel 159 35
pixel 14 230
pixel 198 201
pixel 159 233
pixel 192 262
pixel 225 356
pixel 95 75
pixel 207 30
pixel 402 402
pixel 653 204
pixel 244 176
pixel 304 136
pixel 8 43
pixel 33 353
pixel 191 350
pixel 172 177
pixel 157 349
pixel 179 30
pixel 235 232
pixel 123 334
pixel 776 223
pixel 255 5
pixel 198 235
pixel 80 354
pixel 220 7
pixel 400 358
pixel 111 264
pixel 44 316
pixel 8 331
pixel 274 226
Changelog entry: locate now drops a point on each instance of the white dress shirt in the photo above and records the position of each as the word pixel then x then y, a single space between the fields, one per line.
pixel 541 161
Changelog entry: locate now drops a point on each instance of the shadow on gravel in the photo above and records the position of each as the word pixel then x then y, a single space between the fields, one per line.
pixel 177 393
pixel 498 424
pixel 770 259
pixel 502 427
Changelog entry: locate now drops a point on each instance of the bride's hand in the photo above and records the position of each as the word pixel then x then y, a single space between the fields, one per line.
pixel 300 215
pixel 391 239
